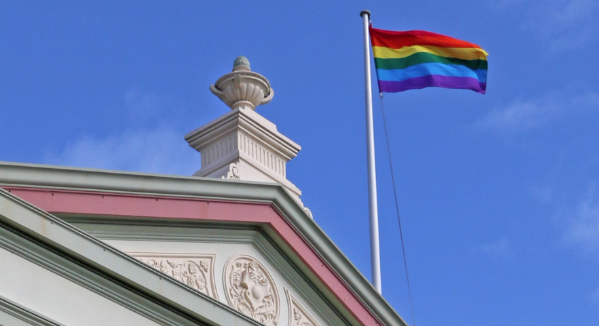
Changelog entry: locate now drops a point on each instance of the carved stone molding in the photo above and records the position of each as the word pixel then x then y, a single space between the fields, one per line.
pixel 233 172
pixel 251 290
pixel 242 136
pixel 309 212
pixel 195 270
pixel 242 86
pixel 298 316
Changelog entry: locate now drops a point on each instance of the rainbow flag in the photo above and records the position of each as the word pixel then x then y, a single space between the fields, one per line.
pixel 419 59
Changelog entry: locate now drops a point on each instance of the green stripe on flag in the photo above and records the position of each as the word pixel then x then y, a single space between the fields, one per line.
pixel 424 57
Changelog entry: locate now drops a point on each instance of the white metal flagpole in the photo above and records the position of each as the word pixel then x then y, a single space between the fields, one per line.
pixel 372 197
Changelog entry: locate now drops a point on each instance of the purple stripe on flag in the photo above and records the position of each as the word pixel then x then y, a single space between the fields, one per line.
pixel 432 81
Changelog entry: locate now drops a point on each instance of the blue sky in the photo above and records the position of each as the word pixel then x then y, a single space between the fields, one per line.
pixel 499 193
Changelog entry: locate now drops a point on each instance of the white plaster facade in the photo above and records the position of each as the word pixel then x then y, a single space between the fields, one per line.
pixel 222 244
pixel 59 299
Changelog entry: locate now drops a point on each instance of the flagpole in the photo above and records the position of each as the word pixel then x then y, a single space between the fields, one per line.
pixel 372 197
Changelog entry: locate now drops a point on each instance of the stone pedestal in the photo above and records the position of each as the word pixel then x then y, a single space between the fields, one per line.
pixel 243 145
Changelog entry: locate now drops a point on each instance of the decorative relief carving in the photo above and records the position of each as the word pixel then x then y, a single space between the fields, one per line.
pixel 251 290
pixel 298 316
pixel 196 271
pixel 233 172
pixel 309 212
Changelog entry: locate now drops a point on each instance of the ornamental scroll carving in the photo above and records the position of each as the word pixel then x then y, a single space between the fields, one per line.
pixel 298 316
pixel 194 270
pixel 233 172
pixel 251 290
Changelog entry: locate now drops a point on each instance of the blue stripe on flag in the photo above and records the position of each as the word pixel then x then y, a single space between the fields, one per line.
pixel 433 68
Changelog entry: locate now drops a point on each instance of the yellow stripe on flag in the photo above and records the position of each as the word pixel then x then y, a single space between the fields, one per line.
pixel 458 53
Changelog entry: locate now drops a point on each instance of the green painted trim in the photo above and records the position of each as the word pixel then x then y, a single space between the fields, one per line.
pixel 145 229
pixel 14 314
pixel 22 245
pixel 58 246
pixel 18 174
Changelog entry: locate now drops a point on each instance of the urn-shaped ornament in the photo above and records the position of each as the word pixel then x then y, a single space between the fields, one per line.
pixel 243 86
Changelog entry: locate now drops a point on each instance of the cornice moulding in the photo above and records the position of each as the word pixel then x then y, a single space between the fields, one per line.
pixel 22 315
pixel 90 262
pixel 249 121
pixel 244 145
pixel 40 176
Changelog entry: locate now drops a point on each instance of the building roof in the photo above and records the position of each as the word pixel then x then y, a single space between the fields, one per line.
pixel 45 192
pixel 101 267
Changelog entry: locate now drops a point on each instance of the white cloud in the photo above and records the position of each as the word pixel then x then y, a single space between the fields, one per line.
pixel 582 228
pixel 567 26
pixel 562 24
pixel 143 149
pixel 500 248
pixel 527 114
pixel 572 11
pixel 162 150
pixel 521 115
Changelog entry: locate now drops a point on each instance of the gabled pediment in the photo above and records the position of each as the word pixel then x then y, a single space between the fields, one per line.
pixel 235 264
pixel 54 274
pixel 191 218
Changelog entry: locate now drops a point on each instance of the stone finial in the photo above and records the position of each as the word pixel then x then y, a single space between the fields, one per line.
pixel 242 144
pixel 241 64
pixel 243 87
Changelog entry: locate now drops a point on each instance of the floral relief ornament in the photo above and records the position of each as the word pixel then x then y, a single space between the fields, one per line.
pixel 251 290
pixel 195 271
pixel 299 319
pixel 298 315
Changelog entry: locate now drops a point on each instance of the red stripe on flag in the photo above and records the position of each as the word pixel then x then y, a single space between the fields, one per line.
pixel 397 40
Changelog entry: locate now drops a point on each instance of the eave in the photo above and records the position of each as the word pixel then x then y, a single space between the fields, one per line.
pixel 61 190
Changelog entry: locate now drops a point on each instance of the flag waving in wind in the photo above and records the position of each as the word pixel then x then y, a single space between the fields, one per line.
pixel 419 59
